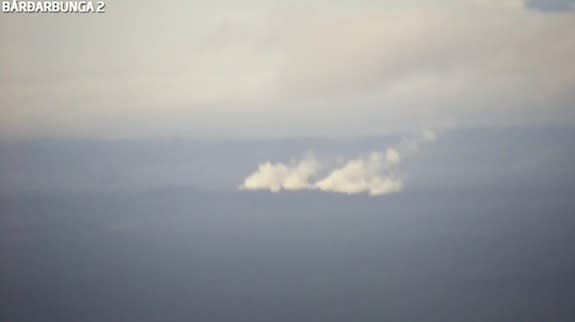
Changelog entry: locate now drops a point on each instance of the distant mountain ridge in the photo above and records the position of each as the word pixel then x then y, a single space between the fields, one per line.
pixel 459 158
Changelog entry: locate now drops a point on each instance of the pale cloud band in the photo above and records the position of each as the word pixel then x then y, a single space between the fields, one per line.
pixel 257 68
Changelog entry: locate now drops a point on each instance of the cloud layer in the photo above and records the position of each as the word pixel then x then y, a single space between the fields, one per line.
pixel 375 174
pixel 255 68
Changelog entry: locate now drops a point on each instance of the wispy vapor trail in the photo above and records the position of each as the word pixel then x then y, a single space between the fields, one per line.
pixel 375 174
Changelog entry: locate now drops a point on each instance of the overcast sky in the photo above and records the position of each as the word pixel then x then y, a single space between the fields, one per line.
pixel 286 68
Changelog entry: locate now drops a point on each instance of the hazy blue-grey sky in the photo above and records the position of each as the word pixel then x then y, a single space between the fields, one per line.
pixel 269 68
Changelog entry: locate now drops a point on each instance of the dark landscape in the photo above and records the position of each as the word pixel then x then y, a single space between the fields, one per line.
pixel 442 250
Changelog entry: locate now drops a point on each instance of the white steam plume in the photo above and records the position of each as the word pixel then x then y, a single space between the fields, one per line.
pixel 277 176
pixel 371 175
pixel 375 174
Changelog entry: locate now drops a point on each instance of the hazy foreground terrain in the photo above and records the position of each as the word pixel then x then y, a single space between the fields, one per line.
pixel 104 231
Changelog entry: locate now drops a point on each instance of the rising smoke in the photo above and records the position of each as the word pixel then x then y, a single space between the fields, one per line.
pixel 277 176
pixel 375 174
pixel 372 174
